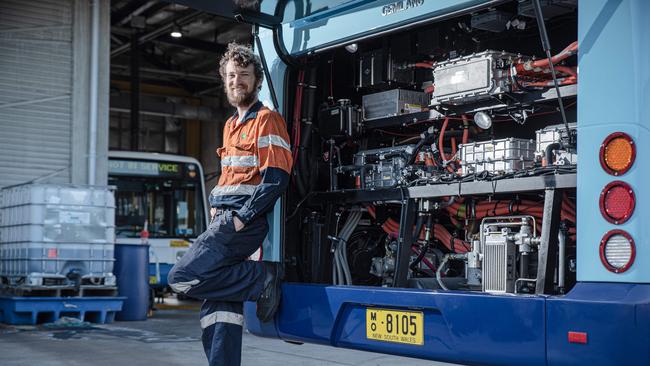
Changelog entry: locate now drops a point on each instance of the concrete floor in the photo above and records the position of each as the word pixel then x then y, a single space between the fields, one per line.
pixel 170 337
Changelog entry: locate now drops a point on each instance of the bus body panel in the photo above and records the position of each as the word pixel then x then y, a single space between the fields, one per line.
pixel 459 327
pixel 615 317
pixel 277 70
pixel 473 328
pixel 357 19
pixel 613 95
pixel 478 328
pixel 271 250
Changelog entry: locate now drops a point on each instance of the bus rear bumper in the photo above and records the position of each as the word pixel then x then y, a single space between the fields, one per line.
pixel 476 328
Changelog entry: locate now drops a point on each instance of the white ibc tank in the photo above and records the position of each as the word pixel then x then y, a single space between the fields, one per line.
pixel 48 231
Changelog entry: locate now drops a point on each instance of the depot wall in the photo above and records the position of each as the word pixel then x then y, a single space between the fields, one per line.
pixel 44 91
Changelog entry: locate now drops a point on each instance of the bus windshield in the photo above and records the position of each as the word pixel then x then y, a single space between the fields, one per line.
pixel 172 206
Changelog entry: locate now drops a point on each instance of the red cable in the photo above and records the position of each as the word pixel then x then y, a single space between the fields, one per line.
pixel 453 146
pixel 423 65
pixel 530 66
pixel 441 138
pixel 297 109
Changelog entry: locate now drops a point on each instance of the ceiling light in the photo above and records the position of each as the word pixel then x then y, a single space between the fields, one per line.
pixel 176 32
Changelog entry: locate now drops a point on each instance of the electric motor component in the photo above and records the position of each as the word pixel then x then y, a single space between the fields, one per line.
pixel 499 261
pixel 501 238
pixel 379 67
pixel 384 267
pixel 473 267
pixel 342 120
pixel 382 167
pixel 556 134
pixel 497 156
pixel 393 102
pixel 470 78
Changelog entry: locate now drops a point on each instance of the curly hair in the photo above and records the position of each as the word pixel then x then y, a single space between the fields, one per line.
pixel 243 56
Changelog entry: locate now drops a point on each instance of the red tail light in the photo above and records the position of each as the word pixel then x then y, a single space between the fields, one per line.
pixel 617 202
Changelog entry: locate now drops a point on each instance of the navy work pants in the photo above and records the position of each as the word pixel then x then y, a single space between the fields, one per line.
pixel 215 270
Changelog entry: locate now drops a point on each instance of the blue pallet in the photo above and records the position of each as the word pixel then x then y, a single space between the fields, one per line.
pixel 36 310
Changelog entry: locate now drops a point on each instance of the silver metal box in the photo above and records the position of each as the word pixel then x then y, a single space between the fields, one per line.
pixel 393 102
pixel 553 134
pixel 497 156
pixel 470 78
pixel 49 231
pixel 499 260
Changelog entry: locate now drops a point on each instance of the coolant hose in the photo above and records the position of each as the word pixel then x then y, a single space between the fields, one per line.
pixel 308 108
pixel 549 152
pixel 302 178
pixel 441 267
pixel 418 228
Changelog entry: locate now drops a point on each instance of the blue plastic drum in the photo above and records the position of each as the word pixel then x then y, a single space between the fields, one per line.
pixel 132 272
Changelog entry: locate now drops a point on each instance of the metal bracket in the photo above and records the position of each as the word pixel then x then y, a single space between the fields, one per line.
pixel 404 240
pixel 548 248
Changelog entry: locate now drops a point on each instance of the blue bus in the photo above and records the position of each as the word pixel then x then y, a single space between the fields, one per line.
pixel 468 177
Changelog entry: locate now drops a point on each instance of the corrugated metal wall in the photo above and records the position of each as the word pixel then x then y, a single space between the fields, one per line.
pixel 36 66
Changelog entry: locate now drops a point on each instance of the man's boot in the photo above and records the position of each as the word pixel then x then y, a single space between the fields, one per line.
pixel 269 301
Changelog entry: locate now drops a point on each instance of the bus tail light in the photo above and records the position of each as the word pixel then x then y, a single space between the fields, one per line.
pixel 617 153
pixel 617 251
pixel 617 202
pixel 577 337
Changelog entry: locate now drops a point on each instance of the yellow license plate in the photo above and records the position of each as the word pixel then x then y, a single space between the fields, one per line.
pixel 395 326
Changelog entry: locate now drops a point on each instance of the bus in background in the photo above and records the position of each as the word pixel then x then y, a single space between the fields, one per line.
pixel 168 193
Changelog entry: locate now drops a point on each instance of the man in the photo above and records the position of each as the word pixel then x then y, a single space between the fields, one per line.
pixel 255 165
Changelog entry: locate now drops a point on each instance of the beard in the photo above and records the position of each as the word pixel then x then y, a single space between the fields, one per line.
pixel 243 100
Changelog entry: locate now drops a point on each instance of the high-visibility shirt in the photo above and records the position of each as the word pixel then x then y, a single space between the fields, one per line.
pixel 255 163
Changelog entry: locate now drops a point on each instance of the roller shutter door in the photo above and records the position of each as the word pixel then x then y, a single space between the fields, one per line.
pixel 36 70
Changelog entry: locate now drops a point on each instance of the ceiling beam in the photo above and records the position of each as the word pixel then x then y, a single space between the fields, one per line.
pixel 181 20
pixel 193 43
pixel 134 7
pixel 151 89
pixel 162 108
pixel 173 74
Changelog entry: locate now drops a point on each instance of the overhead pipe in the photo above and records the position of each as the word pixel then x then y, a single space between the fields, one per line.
pixel 94 91
pixel 179 74
pixel 134 71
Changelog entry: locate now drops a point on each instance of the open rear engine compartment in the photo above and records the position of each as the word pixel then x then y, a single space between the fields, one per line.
pixel 438 157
